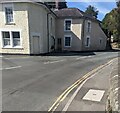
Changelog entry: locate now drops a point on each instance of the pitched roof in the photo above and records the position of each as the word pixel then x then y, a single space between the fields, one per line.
pixel 4 1
pixel 68 12
pixel 29 1
pixel 73 13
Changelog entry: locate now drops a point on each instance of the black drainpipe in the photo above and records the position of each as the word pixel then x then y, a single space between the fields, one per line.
pixel 83 33
pixel 48 29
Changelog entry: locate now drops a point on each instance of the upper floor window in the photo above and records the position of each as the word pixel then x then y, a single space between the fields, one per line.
pixel 11 38
pixel 89 26
pixel 9 14
pixel 67 25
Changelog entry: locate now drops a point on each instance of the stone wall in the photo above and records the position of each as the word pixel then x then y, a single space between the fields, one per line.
pixel 113 95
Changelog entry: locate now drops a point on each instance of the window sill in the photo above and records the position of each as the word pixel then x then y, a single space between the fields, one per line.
pixel 67 30
pixel 67 46
pixel 12 47
pixel 10 24
pixel 87 46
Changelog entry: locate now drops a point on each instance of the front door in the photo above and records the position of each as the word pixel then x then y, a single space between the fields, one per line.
pixel 59 44
pixel 36 45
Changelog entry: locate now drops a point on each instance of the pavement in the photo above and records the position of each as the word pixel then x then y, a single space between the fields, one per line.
pixel 93 93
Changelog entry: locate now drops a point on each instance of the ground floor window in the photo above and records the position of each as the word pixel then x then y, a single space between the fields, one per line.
pixel 6 38
pixel 67 41
pixel 10 38
pixel 16 38
pixel 87 42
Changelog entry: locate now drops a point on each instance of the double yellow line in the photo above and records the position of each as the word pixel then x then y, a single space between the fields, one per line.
pixel 73 86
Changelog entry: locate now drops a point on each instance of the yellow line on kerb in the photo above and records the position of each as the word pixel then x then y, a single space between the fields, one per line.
pixel 74 85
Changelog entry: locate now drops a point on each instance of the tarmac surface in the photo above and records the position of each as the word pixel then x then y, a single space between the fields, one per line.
pixel 33 83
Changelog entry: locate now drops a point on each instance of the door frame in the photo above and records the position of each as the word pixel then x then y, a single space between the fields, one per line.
pixel 31 44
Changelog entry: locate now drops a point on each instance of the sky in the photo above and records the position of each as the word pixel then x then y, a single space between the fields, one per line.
pixel 102 6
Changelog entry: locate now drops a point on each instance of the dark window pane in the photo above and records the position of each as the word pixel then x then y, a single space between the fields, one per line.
pixel 16 34
pixel 16 42
pixel 68 25
pixel 6 38
pixel 89 26
pixel 16 38
pixel 87 41
pixel 67 41
pixel 6 34
pixel 9 14
pixel 6 42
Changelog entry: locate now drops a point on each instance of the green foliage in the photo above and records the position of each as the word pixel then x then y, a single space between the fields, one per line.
pixel 111 22
pixel 91 10
pixel 118 3
pixel 118 20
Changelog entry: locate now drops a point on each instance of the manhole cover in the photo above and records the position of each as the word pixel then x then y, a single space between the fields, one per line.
pixel 94 95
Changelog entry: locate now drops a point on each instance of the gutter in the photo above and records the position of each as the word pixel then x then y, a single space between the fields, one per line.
pixel 83 33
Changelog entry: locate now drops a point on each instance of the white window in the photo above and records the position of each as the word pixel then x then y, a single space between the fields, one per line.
pixel 67 41
pixel 89 26
pixel 67 25
pixel 16 38
pixel 9 14
pixel 87 43
pixel 11 39
pixel 6 38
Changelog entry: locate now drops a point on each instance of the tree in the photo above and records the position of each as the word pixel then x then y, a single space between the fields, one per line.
pixel 118 3
pixel 118 20
pixel 111 23
pixel 92 11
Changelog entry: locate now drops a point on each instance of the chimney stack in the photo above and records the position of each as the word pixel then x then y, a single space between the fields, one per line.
pixel 57 6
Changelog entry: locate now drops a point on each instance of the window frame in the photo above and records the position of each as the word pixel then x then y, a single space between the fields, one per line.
pixel 87 44
pixel 100 41
pixel 11 5
pixel 65 24
pixel 15 38
pixel 70 40
pixel 11 39
pixel 89 28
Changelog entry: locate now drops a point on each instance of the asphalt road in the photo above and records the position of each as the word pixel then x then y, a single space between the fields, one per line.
pixel 33 83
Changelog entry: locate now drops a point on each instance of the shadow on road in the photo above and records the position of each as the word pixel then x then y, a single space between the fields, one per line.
pixel 73 53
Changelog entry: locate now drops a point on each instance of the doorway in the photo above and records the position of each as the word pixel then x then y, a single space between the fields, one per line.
pixel 36 44
pixel 59 44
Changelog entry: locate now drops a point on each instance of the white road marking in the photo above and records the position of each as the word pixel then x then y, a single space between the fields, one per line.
pixel 53 62
pixel 17 58
pixel 83 57
pixel 80 58
pixel 1 56
pixel 9 68
pixel 75 93
pixel 94 95
pixel 72 97
pixel 114 76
